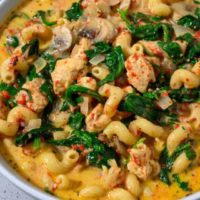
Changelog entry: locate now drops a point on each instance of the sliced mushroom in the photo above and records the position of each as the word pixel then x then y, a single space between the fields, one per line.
pixel 98 29
pixel 90 34
pixel 62 38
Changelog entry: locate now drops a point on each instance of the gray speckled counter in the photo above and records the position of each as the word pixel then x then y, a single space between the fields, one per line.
pixel 8 191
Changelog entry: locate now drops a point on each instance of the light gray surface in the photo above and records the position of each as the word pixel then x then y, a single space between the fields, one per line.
pixel 10 192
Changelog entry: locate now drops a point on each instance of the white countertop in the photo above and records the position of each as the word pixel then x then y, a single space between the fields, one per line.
pixel 10 192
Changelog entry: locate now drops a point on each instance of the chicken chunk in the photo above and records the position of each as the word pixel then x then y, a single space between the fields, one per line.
pixel 37 100
pixel 96 121
pixel 112 177
pixel 139 71
pixel 67 70
pixel 153 48
pixel 141 162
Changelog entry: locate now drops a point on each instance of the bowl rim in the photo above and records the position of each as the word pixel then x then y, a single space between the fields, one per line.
pixel 18 180
pixel 6 7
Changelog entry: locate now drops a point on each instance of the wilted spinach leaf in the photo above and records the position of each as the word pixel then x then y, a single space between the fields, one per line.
pixel 99 153
pixel 75 12
pixel 42 15
pixel 76 120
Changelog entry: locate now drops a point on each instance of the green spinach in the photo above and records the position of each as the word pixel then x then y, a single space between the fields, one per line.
pixel 172 49
pixel 196 1
pixel 75 12
pixel 47 89
pixel 183 185
pixel 76 120
pixel 100 48
pixel 193 49
pixel 167 160
pixel 12 41
pixel 42 15
pixel 45 132
pixel 185 95
pixel 141 106
pixel 164 176
pixel 141 17
pixel 37 143
pixel 115 61
pixel 149 31
pixel 191 21
pixel 9 88
pixel 32 47
pixel 99 153
pixel 72 91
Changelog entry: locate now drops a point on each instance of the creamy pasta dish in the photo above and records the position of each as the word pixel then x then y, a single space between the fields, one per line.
pixel 100 99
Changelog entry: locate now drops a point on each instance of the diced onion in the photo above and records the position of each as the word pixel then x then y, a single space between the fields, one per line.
pixel 147 191
pixel 164 102
pixel 125 4
pixel 34 124
pixel 180 30
pixel 97 59
pixel 40 64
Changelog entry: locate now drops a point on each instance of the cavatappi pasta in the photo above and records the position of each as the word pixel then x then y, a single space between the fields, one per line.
pixel 99 99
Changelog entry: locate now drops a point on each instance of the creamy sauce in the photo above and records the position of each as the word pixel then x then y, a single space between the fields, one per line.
pixel 34 171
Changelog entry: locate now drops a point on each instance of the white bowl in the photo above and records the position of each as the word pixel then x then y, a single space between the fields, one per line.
pixel 6 6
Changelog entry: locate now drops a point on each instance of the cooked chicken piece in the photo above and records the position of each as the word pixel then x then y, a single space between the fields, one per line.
pixel 39 100
pixel 67 70
pixel 78 51
pixel 96 121
pixel 139 71
pixel 153 48
pixel 113 176
pixel 141 162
